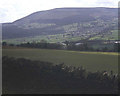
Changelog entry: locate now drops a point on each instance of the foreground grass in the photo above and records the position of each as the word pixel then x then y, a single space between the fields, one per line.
pixel 92 61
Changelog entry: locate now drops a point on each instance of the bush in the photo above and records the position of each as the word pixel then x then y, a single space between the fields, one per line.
pixel 22 76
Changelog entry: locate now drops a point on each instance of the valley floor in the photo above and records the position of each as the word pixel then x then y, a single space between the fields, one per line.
pixel 92 61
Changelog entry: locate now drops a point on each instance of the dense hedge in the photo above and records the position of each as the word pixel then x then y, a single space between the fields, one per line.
pixel 30 77
pixel 86 46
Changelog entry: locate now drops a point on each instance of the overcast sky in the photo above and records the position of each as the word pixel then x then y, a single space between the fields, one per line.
pixel 11 10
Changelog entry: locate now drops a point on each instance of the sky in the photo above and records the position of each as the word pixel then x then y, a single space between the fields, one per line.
pixel 11 10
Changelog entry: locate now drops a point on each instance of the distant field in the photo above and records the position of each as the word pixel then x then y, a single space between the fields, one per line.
pixel 92 61
pixel 112 35
pixel 49 38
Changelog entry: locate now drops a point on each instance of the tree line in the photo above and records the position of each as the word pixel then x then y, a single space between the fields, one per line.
pixel 67 45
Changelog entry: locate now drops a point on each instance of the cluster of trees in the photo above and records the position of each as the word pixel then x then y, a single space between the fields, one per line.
pixel 86 46
pixel 73 46
pixel 37 77
pixel 43 45
pixel 68 46
pixel 117 47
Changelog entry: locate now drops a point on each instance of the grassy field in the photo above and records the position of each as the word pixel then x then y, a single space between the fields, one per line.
pixel 113 36
pixel 49 38
pixel 92 61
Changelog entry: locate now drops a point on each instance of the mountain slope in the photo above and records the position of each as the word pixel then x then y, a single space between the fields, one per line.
pixel 71 22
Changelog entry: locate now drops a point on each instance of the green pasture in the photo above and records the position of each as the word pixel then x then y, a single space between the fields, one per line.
pixel 92 61
pixel 49 38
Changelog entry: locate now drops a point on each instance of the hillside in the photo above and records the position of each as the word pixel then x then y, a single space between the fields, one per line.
pixel 65 24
